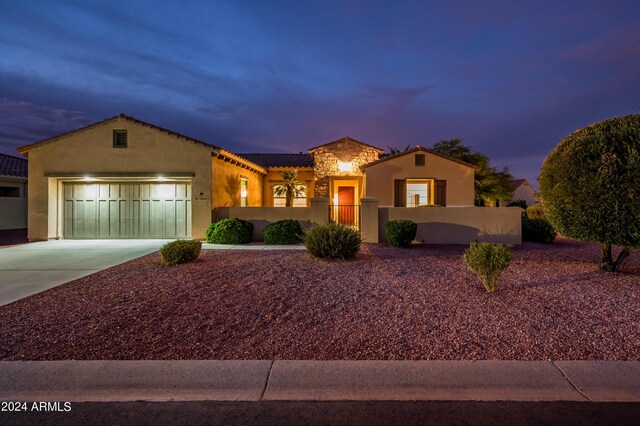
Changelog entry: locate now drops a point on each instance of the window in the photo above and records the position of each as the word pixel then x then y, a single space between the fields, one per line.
pixel 9 191
pixel 419 193
pixel 244 184
pixel 420 160
pixel 119 138
pixel 300 201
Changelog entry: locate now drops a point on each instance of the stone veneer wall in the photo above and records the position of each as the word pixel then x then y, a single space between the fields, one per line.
pixel 326 160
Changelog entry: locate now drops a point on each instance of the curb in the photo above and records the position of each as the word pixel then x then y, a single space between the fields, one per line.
pixel 257 380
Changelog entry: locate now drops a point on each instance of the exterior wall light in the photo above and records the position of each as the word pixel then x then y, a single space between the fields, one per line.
pixel 88 179
pixel 345 166
pixel 161 179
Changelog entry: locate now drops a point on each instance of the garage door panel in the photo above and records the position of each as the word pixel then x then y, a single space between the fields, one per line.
pixel 126 210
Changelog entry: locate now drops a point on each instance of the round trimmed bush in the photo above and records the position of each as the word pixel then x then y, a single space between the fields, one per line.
pixel 400 232
pixel 332 241
pixel 230 231
pixel 282 232
pixel 589 184
pixel 537 231
pixel 180 251
pixel 536 212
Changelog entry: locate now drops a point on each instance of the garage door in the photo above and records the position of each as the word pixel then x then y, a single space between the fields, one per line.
pixel 127 210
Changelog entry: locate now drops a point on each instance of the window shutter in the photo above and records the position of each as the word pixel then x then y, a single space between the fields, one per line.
pixel 400 193
pixel 441 193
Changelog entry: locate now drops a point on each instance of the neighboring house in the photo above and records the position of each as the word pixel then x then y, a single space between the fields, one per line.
pixel 13 190
pixel 522 190
pixel 124 178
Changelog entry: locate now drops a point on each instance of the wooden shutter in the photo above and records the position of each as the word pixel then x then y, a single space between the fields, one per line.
pixel 400 193
pixel 441 193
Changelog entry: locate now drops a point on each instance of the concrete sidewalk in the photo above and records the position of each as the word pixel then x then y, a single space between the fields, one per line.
pixel 82 381
pixel 252 246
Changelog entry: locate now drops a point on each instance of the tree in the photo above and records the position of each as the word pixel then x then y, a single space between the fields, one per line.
pixel 393 150
pixel 290 187
pixel 490 184
pixel 590 184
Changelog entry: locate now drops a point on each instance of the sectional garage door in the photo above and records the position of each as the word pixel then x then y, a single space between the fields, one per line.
pixel 127 210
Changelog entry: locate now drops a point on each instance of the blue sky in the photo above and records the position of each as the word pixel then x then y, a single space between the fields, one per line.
pixel 510 78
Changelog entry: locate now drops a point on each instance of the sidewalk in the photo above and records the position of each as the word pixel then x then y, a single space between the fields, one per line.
pixel 251 246
pixel 255 380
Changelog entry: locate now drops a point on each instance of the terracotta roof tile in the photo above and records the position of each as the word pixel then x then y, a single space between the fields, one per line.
pixel 13 166
pixel 280 160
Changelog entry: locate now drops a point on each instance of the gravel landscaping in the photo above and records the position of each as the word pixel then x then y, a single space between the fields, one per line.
pixel 417 303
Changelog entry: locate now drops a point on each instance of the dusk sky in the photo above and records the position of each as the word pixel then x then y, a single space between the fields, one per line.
pixel 510 78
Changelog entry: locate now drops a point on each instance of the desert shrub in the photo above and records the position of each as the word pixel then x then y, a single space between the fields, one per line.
pixel 537 231
pixel 518 203
pixel 283 232
pixel 180 251
pixel 589 184
pixel 230 231
pixel 536 212
pixel 488 261
pixel 332 241
pixel 400 232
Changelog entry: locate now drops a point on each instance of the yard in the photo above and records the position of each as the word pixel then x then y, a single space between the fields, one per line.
pixel 418 303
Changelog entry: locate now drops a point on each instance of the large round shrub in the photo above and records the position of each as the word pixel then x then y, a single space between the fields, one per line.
pixel 536 211
pixel 400 232
pixel 537 230
pixel 282 232
pixel 332 241
pixel 230 231
pixel 590 184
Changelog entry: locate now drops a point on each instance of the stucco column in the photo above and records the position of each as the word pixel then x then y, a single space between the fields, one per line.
pixel 319 210
pixel 369 219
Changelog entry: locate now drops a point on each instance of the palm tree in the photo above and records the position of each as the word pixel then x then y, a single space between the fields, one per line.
pixel 290 187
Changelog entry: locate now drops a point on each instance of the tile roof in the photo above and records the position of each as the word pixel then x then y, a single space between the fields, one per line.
pixel 515 183
pixel 13 166
pixel 280 160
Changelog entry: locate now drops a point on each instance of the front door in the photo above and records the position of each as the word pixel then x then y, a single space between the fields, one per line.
pixel 346 205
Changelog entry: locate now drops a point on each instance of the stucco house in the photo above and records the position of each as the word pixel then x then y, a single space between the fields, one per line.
pixel 124 178
pixel 523 190
pixel 13 192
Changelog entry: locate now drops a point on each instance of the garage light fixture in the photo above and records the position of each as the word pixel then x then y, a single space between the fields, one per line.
pixel 161 179
pixel 88 179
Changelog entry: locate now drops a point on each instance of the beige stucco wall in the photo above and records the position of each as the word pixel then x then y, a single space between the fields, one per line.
pixel 458 225
pixel 13 212
pixel 274 176
pixel 91 151
pixel 12 182
pixel 262 216
pixel 225 187
pixel 379 178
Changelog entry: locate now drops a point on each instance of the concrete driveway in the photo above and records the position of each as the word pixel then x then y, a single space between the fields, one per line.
pixel 32 268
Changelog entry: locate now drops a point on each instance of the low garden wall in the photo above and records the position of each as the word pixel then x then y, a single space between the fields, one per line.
pixel 13 212
pixel 458 225
pixel 263 216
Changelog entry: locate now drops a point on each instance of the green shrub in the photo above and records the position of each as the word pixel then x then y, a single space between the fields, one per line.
pixel 332 241
pixel 230 231
pixel 537 231
pixel 518 203
pixel 400 232
pixel 536 212
pixel 488 261
pixel 180 251
pixel 589 184
pixel 283 232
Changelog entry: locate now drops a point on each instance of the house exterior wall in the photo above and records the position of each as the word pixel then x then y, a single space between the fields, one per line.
pixel 326 162
pixel 91 151
pixel 15 182
pixel 379 178
pixel 263 216
pixel 525 192
pixel 274 176
pixel 225 185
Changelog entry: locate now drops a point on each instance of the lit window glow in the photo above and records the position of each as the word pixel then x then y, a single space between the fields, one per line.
pixel 418 193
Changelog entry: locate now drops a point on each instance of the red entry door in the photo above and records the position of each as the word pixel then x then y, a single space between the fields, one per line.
pixel 346 205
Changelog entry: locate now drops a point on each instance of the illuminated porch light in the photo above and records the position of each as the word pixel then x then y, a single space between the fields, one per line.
pixel 345 166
